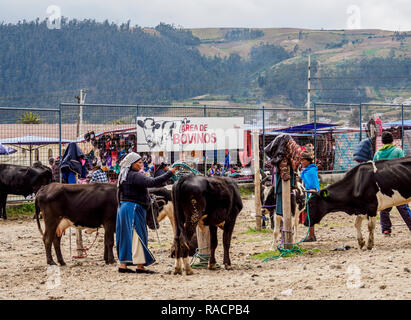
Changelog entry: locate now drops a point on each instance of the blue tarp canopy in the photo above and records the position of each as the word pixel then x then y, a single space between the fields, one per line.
pixel 307 127
pixel 33 140
pixel 6 150
pixel 407 123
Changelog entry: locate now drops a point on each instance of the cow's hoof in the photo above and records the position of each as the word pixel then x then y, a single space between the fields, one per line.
pixel 110 261
pixel 178 271
pixel 62 263
pixel 361 243
pixel 212 266
pixel 51 263
pixel 370 246
pixel 228 267
pixel 189 272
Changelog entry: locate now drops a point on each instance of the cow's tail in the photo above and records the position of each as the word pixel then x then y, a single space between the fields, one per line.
pixel 37 214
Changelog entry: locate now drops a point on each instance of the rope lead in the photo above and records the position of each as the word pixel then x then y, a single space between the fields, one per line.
pixel 295 248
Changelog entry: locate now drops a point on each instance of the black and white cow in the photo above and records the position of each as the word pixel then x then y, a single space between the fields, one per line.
pixel 364 190
pixel 167 210
pixel 209 201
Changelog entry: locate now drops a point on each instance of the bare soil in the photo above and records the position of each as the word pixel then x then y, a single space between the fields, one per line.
pixel 321 273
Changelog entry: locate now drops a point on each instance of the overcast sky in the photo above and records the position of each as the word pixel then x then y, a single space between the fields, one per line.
pixel 311 14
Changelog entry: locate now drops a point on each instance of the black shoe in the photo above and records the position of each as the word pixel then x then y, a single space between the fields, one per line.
pixel 145 271
pixel 310 239
pixel 125 270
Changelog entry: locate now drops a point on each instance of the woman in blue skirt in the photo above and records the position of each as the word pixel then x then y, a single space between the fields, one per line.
pixel 131 227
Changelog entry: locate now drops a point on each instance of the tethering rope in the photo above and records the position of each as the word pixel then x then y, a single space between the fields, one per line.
pixel 295 248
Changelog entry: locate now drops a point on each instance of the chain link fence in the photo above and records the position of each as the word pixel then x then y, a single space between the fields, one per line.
pixel 106 133
pixel 29 136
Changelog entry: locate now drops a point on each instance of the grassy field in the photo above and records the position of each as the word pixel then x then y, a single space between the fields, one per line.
pixel 23 210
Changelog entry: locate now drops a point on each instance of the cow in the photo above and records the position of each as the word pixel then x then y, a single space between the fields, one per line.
pixel 81 205
pixel 367 188
pixel 167 210
pixel 212 201
pixel 21 180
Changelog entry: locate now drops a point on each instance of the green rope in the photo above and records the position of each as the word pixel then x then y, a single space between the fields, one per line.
pixel 295 248
pixel 185 166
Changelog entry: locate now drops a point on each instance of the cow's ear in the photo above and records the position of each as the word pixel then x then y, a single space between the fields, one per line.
pixel 324 193
pixel 141 123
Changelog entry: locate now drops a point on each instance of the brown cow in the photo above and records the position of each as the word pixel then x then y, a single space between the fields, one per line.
pixel 81 205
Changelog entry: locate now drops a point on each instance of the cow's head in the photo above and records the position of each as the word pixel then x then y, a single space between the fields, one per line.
pixel 317 207
pixel 149 126
pixel 156 132
pixel 42 176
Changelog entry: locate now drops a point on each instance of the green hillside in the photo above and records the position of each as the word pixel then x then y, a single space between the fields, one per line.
pixel 220 66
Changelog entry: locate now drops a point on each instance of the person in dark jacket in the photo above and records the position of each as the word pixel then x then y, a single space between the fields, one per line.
pixel 131 227
pixel 162 169
pixel 363 152
pixel 71 164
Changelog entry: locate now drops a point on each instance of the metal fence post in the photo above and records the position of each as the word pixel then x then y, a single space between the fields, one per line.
pixel 402 126
pixel 315 132
pixel 263 154
pixel 205 151
pixel 60 175
pixel 360 122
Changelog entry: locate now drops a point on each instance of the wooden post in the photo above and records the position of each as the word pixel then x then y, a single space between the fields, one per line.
pixel 203 240
pixel 257 189
pixel 286 199
pixel 79 237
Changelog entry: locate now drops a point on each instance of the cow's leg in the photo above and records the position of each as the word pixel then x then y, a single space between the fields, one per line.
pixel 371 228
pixel 228 232
pixel 109 230
pixel 358 223
pixel 295 226
pixel 48 237
pixel 185 247
pixel 187 266
pixel 271 212
pixel 213 246
pixel 3 202
pixel 57 248
pixel 177 268
pixel 277 225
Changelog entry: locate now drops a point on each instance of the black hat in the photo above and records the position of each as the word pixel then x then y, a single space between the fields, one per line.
pixel 307 156
pixel 387 137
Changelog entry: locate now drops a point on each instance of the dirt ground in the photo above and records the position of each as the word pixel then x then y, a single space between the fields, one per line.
pixel 321 273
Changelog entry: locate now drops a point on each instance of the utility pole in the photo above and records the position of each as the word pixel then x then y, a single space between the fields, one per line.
pixel 81 100
pixel 309 89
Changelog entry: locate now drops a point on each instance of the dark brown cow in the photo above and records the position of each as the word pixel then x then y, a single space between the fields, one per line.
pixel 81 205
pixel 199 200
pixel 21 180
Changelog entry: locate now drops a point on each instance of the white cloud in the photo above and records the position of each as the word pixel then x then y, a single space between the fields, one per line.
pixel 313 14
